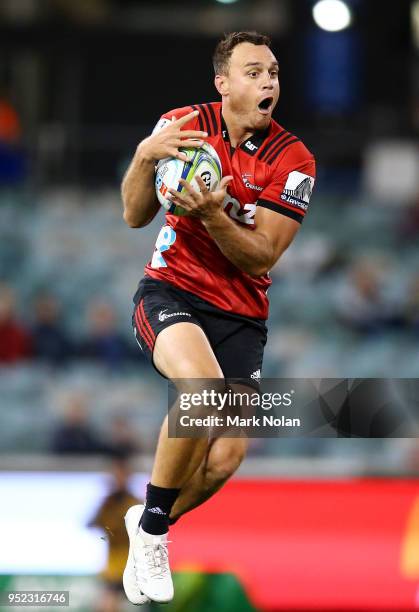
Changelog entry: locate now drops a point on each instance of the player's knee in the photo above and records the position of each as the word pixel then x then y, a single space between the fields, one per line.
pixel 222 464
pixel 200 382
pixel 188 368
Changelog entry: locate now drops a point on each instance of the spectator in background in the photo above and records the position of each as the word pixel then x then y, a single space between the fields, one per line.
pixel 362 304
pixel 123 439
pixel 12 161
pixel 75 435
pixel 15 340
pixel 412 306
pixel 110 518
pixel 50 341
pixel 10 130
pixel 409 227
pixel 104 342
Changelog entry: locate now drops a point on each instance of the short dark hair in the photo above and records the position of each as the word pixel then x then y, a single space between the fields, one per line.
pixel 225 47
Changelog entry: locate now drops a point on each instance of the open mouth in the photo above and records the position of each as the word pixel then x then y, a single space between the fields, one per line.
pixel 266 104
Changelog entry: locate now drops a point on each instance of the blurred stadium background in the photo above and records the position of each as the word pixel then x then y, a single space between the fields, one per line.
pixel 81 83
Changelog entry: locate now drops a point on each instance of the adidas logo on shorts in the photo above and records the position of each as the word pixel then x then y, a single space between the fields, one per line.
pixel 255 375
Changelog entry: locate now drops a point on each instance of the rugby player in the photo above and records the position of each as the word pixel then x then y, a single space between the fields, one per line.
pixel 202 302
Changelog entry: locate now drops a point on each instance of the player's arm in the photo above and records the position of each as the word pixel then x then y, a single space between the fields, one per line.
pixel 254 252
pixel 138 193
pixel 276 221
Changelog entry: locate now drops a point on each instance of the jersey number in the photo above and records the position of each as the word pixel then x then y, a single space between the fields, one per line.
pixel 235 211
pixel 165 239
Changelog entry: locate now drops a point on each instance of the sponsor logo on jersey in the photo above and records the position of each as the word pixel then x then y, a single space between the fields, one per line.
pixel 163 316
pixel 298 189
pixel 294 202
pixel 250 185
pixel 249 145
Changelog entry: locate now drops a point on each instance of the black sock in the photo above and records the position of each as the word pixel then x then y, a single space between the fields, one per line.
pixel 159 502
pixel 172 521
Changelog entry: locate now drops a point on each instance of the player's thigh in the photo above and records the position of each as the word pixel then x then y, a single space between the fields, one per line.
pixel 183 351
pixel 169 332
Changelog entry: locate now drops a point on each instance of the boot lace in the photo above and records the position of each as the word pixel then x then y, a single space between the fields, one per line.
pixel 157 559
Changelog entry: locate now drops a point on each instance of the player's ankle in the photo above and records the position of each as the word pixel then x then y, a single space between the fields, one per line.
pixel 159 502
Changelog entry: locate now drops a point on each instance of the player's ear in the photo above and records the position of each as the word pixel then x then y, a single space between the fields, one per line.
pixel 221 84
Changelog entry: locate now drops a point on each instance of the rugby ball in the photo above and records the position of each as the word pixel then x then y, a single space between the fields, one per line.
pixel 203 162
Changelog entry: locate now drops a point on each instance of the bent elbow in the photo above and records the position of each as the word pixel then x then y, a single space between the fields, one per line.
pixel 255 269
pixel 258 271
pixel 130 221
pixel 262 267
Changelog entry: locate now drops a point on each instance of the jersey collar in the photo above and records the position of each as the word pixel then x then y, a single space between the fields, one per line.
pixel 252 144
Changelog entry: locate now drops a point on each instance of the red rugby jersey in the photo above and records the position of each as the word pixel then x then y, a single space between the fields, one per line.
pixel 272 169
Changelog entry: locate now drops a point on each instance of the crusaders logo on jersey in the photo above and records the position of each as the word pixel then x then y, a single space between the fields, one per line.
pixel 248 184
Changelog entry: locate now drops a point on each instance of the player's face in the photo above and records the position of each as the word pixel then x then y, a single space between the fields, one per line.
pixel 251 88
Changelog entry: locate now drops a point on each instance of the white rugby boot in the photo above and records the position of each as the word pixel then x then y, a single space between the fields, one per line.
pixel 129 579
pixel 148 562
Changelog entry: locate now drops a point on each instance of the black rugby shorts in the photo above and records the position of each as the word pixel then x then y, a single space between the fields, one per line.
pixel 238 342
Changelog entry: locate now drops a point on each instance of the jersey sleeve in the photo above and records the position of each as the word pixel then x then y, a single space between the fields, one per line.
pixel 291 185
pixel 178 113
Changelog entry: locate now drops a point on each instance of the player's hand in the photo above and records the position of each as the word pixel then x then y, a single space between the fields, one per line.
pixel 167 141
pixel 203 204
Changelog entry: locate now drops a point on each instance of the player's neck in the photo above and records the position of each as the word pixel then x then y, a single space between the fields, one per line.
pixel 236 131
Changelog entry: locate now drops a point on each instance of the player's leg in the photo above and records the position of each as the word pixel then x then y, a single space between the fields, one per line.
pixel 169 333
pixel 230 339
pixel 181 351
pixel 223 457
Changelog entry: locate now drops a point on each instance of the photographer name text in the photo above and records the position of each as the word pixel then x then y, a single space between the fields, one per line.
pixel 236 421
